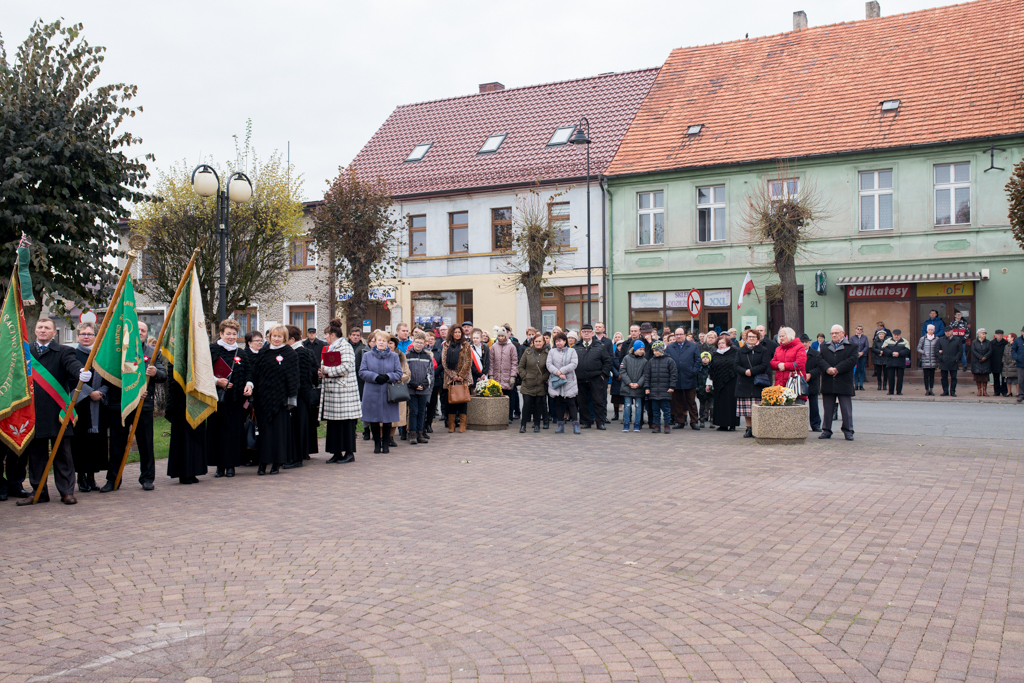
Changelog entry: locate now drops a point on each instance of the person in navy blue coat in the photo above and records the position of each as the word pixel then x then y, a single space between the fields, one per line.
pixel 686 354
pixel 380 366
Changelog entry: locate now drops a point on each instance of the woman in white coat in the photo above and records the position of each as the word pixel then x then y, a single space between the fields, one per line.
pixel 339 398
pixel 562 387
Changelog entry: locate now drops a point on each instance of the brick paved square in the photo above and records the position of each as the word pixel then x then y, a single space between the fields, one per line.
pixel 600 557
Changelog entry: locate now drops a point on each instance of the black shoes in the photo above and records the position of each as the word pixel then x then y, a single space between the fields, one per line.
pixel 849 437
pixel 219 474
pixel 292 465
pixel 335 459
pixel 376 446
pixel 229 472
pixel 536 428
pixel 261 471
pixel 275 468
pixel 428 429
pixel 749 434
pixel 522 429
pixel 547 424
pixel 600 425
pixel 391 442
pixel 107 487
pixel 722 429
pixel 366 435
pixel 694 427
pixel 147 486
pixel 823 435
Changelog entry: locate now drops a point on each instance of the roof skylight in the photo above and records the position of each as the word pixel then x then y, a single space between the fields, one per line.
pixel 560 136
pixel 890 105
pixel 694 129
pixel 419 151
pixel 493 143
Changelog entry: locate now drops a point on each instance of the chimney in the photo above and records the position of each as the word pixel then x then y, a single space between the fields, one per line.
pixel 491 87
pixel 872 10
pixel 799 20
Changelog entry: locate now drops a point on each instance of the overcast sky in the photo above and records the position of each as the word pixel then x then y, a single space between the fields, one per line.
pixel 324 75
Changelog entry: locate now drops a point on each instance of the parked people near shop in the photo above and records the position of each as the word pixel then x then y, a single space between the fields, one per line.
pixel 686 354
pixel 594 366
pixel 752 362
pixel 895 351
pixel 381 366
pixel 928 355
pixel 340 404
pixel 660 379
pixel 616 383
pixel 562 387
pixel 533 372
pixel 457 365
pixel 631 375
pixel 504 366
pixel 275 379
pixel 420 361
pixel 981 361
pixel 878 360
pixel 1009 366
pixel 1017 352
pixel 813 377
pixel 863 344
pixel 723 384
pixel 999 345
pixel 950 351
pixel 934 320
pixel 836 362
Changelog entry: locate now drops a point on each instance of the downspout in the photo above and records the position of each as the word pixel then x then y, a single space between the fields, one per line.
pixel 604 257
pixel 608 264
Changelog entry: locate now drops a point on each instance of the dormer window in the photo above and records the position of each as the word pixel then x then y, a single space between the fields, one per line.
pixel 695 129
pixel 560 136
pixel 419 151
pixel 493 143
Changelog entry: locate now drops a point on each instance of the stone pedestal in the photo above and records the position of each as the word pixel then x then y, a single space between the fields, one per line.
pixel 488 414
pixel 780 424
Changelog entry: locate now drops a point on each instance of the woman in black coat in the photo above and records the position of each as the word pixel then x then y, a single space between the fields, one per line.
pixel 981 361
pixel 723 384
pixel 878 360
pixel 275 379
pixel 752 360
pixel 227 425
pixel 304 410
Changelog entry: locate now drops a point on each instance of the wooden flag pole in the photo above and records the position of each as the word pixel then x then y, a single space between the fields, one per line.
pixel 137 242
pixel 153 359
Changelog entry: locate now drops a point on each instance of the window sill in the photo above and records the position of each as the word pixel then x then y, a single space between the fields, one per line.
pixel 648 247
pixel 302 268
pixel 504 252
pixel 873 233
pixel 953 228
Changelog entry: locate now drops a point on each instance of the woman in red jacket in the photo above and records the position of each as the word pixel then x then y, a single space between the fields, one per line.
pixel 789 357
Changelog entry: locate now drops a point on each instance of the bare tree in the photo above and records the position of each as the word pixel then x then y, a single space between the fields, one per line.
pixel 781 210
pixel 534 239
pixel 1015 197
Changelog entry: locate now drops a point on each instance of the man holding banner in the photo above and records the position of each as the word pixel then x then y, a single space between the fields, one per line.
pixel 55 369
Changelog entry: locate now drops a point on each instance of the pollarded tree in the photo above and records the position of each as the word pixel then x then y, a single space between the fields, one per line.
pixel 358 236
pixel 260 232
pixel 66 176
pixel 1015 196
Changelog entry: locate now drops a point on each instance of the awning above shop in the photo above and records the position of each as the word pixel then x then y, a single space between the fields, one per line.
pixel 974 276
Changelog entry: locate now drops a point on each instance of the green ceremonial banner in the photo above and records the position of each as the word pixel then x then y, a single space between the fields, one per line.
pixel 120 359
pixel 187 347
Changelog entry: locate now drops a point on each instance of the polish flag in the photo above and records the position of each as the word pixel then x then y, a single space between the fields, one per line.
pixel 747 288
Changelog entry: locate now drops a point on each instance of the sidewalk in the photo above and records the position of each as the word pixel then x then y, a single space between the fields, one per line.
pixel 916 393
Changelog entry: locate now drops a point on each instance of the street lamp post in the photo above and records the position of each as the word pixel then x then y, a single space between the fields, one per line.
pixel 206 183
pixel 581 136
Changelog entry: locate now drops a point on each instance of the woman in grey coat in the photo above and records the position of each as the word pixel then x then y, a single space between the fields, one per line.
pixel 928 353
pixel 339 399
pixel 562 362
pixel 380 367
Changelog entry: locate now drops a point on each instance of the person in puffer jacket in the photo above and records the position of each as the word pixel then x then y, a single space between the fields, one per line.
pixel 504 367
pixel 421 384
pixel 631 374
pixel 660 377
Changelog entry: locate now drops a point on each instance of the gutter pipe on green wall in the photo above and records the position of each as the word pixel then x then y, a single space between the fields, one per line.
pixel 604 257
pixel 608 262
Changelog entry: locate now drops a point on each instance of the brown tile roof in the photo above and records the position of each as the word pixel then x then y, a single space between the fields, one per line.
pixel 958 72
pixel 459 126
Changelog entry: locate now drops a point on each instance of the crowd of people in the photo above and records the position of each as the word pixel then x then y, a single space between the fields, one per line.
pixel 277 389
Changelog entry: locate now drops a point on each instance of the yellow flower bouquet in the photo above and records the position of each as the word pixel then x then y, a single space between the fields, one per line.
pixel 777 396
pixel 488 388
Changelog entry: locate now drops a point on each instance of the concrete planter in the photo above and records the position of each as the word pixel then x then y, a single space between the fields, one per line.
pixel 488 413
pixel 780 424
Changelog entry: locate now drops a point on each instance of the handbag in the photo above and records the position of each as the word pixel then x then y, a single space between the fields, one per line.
pixel 458 393
pixel 252 433
pixel 761 380
pixel 798 384
pixel 398 393
pixel 558 381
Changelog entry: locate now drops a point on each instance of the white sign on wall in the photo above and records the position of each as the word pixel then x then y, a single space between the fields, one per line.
pixel 646 299
pixel 676 299
pixel 718 297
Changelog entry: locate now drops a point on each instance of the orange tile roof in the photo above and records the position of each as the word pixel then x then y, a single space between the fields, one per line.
pixel 457 127
pixel 958 72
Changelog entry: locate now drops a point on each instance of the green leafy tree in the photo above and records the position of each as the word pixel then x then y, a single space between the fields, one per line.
pixel 358 236
pixel 1015 195
pixel 66 176
pixel 259 233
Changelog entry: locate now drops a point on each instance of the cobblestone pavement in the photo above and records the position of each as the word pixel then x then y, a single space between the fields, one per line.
pixel 537 557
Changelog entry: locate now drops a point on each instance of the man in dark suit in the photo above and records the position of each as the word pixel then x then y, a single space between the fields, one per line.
pixel 836 361
pixel 686 354
pixel 59 361
pixel 592 370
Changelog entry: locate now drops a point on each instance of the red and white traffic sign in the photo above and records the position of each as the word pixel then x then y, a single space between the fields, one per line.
pixel 693 303
pixel 87 317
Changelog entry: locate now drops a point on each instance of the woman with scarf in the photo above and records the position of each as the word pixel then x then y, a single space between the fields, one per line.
pixel 304 406
pixel 379 368
pixel 723 384
pixel 339 401
pixel 227 425
pixel 89 443
pixel 752 361
pixel 457 362
pixel 275 379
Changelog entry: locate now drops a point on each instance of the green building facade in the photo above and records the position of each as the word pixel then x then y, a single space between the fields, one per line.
pixel 911 229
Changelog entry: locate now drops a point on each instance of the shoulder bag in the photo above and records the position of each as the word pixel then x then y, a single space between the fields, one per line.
pixel 398 393
pixel 458 393
pixel 252 433
pixel 762 380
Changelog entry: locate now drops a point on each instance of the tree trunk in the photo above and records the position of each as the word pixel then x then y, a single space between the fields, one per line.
pixel 332 295
pixel 532 282
pixel 359 302
pixel 785 265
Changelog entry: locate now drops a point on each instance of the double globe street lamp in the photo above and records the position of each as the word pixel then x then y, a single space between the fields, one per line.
pixel 581 136
pixel 206 183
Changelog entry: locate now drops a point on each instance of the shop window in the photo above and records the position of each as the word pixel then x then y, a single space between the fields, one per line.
pixel 417 235
pixel 501 229
pixel 711 213
pixel 650 218
pixel 953 194
pixel 458 232
pixel 302 254
pixel 558 213
pixel 876 200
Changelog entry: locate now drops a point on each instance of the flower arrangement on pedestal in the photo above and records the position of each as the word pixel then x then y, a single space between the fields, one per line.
pixel 488 387
pixel 778 396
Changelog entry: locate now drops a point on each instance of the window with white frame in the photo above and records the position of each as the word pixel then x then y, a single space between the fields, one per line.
pixel 785 188
pixel 651 218
pixel 876 200
pixel 953 194
pixel 711 213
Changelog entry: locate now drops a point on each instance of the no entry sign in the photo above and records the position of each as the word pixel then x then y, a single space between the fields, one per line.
pixel 693 303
